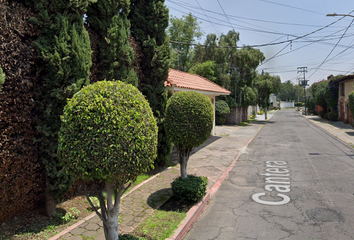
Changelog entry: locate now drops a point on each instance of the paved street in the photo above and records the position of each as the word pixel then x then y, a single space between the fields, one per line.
pixel 295 181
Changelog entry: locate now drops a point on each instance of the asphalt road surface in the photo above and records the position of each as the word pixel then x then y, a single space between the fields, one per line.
pixel 295 181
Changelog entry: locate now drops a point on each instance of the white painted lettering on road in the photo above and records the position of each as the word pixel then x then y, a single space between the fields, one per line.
pixel 278 177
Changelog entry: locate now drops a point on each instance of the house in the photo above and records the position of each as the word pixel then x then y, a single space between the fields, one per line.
pixel 345 87
pixel 179 81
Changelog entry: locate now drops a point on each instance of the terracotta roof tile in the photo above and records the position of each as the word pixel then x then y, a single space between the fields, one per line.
pixel 191 81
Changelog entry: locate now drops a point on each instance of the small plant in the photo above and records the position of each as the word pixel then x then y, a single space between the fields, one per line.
pixel 74 213
pixel 221 110
pixel 190 189
pixel 260 112
pixel 252 116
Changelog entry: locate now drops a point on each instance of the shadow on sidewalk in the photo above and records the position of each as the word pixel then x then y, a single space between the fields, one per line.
pixel 159 197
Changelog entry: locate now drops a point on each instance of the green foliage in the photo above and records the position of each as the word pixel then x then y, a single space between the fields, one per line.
pixel 326 95
pixel 108 133
pixel 2 77
pixel 130 237
pixel 221 110
pixel 287 92
pixel 189 119
pixel 65 51
pixel 351 102
pixel 333 116
pixel 311 105
pixel 298 104
pixel 74 213
pixel 205 69
pixel 108 22
pixel 191 189
pixel 149 20
pixel 266 85
pixel 185 29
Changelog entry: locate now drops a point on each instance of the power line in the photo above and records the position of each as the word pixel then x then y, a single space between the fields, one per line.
pixel 269 44
pixel 333 47
pixel 284 5
pixel 228 18
pixel 207 17
pixel 182 4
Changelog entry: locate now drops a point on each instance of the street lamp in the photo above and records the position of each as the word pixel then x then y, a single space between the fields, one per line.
pixel 336 14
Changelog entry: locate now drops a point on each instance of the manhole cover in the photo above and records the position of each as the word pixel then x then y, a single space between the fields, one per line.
pixel 314 154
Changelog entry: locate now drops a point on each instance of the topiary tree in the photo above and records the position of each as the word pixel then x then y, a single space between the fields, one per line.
pixel 221 110
pixel 188 121
pixel 108 136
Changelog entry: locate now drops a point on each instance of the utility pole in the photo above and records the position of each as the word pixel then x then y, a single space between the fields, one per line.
pixel 302 82
pixel 300 70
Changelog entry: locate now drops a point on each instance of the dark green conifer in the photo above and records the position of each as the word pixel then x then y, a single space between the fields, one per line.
pixel 109 26
pixel 149 20
pixel 64 49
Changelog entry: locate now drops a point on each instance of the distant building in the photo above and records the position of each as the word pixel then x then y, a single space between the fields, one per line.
pixel 179 81
pixel 345 87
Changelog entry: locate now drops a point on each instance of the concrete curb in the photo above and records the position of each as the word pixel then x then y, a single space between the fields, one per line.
pixel 70 228
pixel 195 212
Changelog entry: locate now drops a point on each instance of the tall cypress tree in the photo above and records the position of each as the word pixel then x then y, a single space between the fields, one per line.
pixel 65 52
pixel 149 20
pixel 109 27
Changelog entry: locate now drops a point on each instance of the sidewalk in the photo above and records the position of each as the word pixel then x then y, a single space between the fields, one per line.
pixel 213 159
pixel 339 129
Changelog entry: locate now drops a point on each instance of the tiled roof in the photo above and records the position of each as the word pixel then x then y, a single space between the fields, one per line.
pixel 344 78
pixel 191 81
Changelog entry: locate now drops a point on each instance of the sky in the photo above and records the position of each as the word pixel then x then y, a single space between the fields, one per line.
pixel 300 32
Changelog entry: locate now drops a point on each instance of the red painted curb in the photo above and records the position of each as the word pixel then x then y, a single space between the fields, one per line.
pixel 195 212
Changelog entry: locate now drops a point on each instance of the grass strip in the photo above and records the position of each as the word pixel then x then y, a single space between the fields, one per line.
pixel 160 225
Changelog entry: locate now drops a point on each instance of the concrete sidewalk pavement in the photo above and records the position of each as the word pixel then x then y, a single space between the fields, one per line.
pixel 343 131
pixel 212 159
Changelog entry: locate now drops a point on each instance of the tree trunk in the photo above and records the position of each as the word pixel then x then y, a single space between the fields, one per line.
pixel 111 227
pixel 50 203
pixel 183 160
pixel 265 114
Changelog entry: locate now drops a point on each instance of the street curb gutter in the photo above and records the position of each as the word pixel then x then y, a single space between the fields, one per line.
pixel 195 212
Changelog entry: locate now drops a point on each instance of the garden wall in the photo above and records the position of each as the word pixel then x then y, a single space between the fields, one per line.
pixel 21 174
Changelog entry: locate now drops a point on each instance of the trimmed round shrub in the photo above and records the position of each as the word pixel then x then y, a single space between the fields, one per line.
pixel 190 189
pixel 189 119
pixel 299 104
pixel 108 133
pixel 221 110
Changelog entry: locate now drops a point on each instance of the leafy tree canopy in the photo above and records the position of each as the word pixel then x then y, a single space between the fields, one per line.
pixel 186 30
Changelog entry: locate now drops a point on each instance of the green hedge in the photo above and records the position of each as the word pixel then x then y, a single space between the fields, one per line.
pixel 351 102
pixel 190 189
